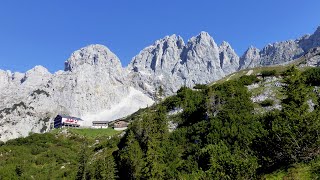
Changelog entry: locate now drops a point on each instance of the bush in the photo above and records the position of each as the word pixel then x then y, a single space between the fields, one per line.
pixel 248 80
pixel 267 102
pixel 200 86
pixel 312 76
pixel 171 102
pixel 267 73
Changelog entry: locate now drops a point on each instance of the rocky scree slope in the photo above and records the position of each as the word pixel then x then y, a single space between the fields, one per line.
pixel 95 86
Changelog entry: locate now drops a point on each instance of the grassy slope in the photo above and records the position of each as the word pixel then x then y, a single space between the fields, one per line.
pixel 297 172
pixel 94 133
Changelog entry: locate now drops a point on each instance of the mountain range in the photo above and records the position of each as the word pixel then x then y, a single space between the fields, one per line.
pixel 95 86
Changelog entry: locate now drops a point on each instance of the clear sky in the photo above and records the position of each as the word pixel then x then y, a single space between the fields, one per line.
pixel 46 32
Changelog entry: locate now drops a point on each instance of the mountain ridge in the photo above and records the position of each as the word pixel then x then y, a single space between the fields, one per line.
pixel 94 81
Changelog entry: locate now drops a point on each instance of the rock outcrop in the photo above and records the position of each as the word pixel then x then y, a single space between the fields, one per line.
pixel 312 58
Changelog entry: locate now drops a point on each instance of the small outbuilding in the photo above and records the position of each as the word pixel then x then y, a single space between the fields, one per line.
pixel 100 124
pixel 120 125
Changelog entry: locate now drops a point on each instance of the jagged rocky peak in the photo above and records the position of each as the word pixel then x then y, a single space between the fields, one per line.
pixel 250 58
pixel 203 39
pixel 38 70
pixel 36 76
pixel 225 46
pixel 310 41
pixel 200 61
pixel 202 48
pixel 92 55
pixel 170 41
pixel 229 60
pixel 161 56
pixel 280 52
pixel 171 64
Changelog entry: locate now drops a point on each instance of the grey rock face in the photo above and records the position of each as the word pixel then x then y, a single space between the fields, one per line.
pixel 250 58
pixel 229 60
pixel 308 42
pixel 281 52
pixel 153 66
pixel 201 61
pixel 272 54
pixel 170 63
pixel 312 58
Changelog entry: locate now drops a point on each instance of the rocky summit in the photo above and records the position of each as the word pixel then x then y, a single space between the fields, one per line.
pixel 95 86
pixel 280 52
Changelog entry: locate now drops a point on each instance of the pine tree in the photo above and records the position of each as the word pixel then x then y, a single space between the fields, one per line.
pixel 82 163
pixel 131 158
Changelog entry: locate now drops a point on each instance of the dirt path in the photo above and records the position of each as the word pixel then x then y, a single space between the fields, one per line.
pixel 249 72
pixel 229 77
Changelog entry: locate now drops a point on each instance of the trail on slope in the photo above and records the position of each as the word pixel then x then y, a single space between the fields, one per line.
pixel 249 72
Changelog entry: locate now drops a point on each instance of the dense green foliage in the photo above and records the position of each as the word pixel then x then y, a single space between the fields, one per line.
pixel 267 73
pixel 312 76
pixel 247 80
pixel 219 135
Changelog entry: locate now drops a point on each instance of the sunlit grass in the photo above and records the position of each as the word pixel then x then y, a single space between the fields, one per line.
pixel 94 133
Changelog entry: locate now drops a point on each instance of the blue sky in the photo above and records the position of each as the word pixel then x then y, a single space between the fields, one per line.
pixel 39 32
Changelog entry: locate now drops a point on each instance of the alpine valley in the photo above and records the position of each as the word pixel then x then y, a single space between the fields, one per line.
pixel 95 86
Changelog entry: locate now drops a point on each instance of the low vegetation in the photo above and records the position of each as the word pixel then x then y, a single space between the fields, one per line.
pixel 268 73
